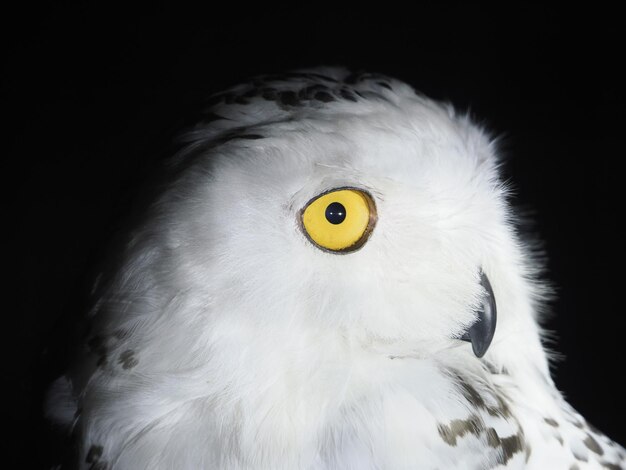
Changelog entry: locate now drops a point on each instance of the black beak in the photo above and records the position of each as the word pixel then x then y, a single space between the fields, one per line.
pixel 481 333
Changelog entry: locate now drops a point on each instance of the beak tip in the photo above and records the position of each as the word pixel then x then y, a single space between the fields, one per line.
pixel 480 348
pixel 481 333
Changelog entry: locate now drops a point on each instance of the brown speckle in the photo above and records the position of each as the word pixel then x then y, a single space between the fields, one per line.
pixel 458 428
pixel 611 466
pixel 502 409
pixel 127 359
pixel 551 422
pixel 471 394
pixel 574 467
pixel 593 445
pixel 492 438
pixel 475 398
pixel 510 446
pixel 492 369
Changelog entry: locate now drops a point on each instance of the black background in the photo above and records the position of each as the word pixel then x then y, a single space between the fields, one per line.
pixel 94 95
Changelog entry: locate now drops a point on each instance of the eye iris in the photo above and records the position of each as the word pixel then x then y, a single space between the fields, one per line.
pixel 339 221
pixel 335 213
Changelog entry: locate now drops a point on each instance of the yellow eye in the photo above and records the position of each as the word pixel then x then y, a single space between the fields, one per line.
pixel 340 220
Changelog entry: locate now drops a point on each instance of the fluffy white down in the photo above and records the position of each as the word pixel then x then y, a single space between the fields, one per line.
pixel 225 339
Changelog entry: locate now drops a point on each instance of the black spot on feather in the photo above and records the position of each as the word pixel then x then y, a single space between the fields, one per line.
pixel 94 453
pixel 128 359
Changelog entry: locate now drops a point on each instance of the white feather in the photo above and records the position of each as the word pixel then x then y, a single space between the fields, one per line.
pixel 228 340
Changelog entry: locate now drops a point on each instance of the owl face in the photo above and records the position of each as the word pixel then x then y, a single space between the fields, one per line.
pixel 371 223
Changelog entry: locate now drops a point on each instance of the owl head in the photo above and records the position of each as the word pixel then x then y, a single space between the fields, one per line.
pixel 322 210
pixel 314 228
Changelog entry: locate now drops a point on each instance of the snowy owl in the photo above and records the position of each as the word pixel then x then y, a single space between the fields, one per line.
pixel 330 279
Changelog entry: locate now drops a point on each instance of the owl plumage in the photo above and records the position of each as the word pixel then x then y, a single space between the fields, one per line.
pixel 250 325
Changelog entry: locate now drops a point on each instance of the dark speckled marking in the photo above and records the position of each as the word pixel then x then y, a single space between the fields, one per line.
pixel 459 428
pixel 611 466
pixel 551 422
pixel 492 438
pixel 289 98
pixel 472 395
pixel 593 445
pixel 227 137
pixel 102 360
pixel 324 97
pixel 270 95
pixel 94 454
pixel 127 359
pixel 574 467
pixel 97 345
pixel 120 334
pixel 502 409
pixel 295 89
pixel 309 92
pixel 559 438
pixel 250 136
pixel 346 94
pixel 510 446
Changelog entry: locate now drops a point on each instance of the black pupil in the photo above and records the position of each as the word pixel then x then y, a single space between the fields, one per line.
pixel 335 213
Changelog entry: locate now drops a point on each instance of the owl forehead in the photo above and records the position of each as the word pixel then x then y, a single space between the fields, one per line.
pixel 307 132
pixel 270 96
pixel 325 93
pixel 357 151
